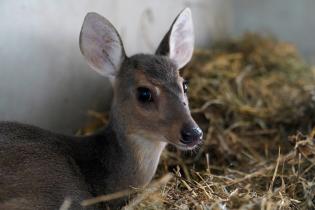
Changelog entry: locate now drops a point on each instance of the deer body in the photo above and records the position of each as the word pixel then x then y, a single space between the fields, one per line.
pixel 39 169
pixel 85 166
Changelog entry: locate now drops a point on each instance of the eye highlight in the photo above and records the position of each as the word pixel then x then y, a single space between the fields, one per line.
pixel 185 86
pixel 144 95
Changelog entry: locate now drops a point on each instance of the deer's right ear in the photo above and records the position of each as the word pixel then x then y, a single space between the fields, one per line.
pixel 101 45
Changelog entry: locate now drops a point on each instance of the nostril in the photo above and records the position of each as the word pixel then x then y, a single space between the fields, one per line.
pixel 186 135
pixel 191 135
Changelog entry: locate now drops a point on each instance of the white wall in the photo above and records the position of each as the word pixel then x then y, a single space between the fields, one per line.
pixel 45 81
pixel 43 78
pixel 290 20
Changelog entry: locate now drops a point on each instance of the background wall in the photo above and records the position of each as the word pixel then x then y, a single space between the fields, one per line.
pixel 289 20
pixel 45 81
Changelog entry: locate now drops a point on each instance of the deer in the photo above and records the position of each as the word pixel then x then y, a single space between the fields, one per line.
pixel 149 109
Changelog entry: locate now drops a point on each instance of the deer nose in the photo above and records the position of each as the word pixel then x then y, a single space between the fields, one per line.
pixel 191 135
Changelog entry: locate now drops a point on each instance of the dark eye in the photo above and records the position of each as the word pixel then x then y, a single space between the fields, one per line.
pixel 144 95
pixel 185 86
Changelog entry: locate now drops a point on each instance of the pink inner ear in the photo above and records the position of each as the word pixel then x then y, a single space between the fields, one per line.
pixel 101 45
pixel 182 53
pixel 182 39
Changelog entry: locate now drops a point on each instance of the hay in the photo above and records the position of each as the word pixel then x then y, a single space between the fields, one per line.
pixel 253 99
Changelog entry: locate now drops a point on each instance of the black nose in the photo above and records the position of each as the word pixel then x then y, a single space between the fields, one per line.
pixel 191 135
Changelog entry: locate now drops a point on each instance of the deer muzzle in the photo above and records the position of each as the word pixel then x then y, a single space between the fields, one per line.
pixel 191 135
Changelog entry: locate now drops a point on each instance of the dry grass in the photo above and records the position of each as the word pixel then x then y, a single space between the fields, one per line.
pixel 253 98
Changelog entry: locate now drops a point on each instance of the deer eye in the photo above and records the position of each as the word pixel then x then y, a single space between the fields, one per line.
pixel 144 95
pixel 185 86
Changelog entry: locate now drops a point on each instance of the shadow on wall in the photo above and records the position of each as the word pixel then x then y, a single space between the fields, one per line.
pixel 55 98
pixel 44 79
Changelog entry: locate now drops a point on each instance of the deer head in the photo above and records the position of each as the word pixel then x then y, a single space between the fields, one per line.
pixel 149 97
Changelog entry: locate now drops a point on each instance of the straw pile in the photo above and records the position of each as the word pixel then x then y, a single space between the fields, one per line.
pixel 253 98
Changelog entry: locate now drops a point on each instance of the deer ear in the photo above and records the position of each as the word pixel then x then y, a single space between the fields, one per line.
pixel 101 45
pixel 178 43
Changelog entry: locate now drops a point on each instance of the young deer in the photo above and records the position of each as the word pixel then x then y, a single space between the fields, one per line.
pixel 38 169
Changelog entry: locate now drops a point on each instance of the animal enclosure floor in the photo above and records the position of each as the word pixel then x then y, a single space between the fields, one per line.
pixel 254 99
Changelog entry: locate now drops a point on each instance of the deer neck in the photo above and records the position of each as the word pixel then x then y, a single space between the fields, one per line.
pixel 120 160
pixel 142 153
pixel 146 153
pixel 142 148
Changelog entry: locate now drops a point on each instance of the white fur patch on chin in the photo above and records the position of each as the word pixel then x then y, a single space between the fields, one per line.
pixel 148 141
pixel 147 149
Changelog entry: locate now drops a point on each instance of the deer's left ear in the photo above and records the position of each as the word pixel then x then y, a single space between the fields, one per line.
pixel 178 43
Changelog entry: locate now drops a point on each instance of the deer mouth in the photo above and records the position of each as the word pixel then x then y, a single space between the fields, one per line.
pixel 188 145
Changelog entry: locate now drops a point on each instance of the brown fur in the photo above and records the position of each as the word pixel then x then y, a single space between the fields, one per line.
pixel 43 168
pixel 39 169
